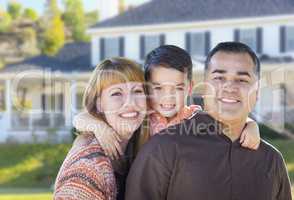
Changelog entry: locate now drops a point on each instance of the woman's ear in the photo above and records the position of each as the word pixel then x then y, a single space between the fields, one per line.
pixel 98 105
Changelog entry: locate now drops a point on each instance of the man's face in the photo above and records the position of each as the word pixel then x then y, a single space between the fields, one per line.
pixel 231 86
pixel 167 88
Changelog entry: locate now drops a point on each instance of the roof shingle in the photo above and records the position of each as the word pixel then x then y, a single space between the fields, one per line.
pixel 174 11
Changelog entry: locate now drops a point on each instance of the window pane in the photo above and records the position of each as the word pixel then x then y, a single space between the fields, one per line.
pixel 151 42
pixel 290 38
pixel 197 44
pixel 248 36
pixel 111 47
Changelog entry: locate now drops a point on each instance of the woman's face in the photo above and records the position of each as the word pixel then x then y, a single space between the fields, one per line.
pixel 124 107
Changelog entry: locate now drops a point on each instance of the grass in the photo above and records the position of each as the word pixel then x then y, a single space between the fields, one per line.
pixel 25 194
pixel 30 166
pixel 35 166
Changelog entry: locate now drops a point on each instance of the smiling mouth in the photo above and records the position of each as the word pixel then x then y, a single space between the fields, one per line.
pixel 129 115
pixel 229 100
pixel 167 106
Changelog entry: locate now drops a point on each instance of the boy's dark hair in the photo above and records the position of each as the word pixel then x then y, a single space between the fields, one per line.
pixel 168 56
pixel 234 47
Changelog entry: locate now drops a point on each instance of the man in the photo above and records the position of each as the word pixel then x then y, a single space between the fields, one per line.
pixel 202 157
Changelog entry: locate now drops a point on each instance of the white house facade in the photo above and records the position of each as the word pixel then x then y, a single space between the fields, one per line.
pixel 197 26
pixel 39 96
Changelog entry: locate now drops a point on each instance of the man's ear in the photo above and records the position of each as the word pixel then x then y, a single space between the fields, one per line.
pixel 190 87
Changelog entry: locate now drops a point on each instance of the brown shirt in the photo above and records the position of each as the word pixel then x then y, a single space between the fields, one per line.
pixel 194 160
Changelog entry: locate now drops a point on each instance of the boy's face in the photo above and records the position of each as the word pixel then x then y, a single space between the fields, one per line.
pixel 168 89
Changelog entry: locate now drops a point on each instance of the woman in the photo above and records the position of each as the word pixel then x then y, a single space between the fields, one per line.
pixel 116 95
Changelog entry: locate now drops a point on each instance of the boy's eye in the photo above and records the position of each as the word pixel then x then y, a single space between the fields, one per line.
pixel 139 91
pixel 115 94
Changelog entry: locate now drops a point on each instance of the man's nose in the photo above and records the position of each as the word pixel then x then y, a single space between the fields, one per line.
pixel 230 86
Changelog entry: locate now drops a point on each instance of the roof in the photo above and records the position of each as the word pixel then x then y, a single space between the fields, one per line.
pixel 174 11
pixel 72 57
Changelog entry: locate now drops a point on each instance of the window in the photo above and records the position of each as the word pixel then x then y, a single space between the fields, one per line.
pixel 52 102
pixel 198 44
pixel 111 47
pixel 252 37
pixel 150 42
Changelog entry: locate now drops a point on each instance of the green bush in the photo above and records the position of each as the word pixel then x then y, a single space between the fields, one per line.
pixel 30 165
pixel 268 133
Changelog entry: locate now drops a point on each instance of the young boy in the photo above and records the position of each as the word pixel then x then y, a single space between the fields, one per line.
pixel 168 73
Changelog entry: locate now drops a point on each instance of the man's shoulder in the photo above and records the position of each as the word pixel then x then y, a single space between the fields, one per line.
pixel 199 123
pixel 271 151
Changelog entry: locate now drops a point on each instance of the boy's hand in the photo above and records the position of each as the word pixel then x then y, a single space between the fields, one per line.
pixel 250 137
pixel 109 141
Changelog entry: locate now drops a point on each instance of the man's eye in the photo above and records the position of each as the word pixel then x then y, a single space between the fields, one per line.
pixel 116 94
pixel 157 88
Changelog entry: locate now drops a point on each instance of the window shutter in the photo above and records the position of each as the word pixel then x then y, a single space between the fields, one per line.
pixel 237 35
pixel 142 47
pixel 259 40
pixel 102 48
pixel 282 39
pixel 162 39
pixel 207 43
pixel 188 42
pixel 121 47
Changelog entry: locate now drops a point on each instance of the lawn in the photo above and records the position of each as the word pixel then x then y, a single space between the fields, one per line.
pixel 35 166
pixel 25 194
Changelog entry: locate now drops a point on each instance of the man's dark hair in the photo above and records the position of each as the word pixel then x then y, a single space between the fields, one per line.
pixel 234 47
pixel 168 56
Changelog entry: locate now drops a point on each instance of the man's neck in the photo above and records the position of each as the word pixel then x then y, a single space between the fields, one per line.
pixel 233 129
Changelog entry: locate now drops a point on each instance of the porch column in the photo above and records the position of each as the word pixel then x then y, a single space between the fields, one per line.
pixel 69 101
pixel 8 101
pixel 73 90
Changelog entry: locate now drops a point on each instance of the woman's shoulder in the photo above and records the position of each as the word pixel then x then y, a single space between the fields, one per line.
pixel 86 166
pixel 87 150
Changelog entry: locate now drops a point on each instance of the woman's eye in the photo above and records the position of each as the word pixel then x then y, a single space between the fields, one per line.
pixel 243 81
pixel 116 94
pixel 179 88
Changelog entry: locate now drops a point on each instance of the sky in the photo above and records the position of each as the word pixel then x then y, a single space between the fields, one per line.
pixel 38 5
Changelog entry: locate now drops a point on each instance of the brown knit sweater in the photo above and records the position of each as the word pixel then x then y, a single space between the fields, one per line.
pixel 86 173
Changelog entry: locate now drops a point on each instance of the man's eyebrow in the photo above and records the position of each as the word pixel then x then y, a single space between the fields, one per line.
pixel 243 73
pixel 221 71
pixel 181 84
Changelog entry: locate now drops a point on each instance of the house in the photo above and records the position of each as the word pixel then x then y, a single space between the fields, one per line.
pixel 197 26
pixel 38 96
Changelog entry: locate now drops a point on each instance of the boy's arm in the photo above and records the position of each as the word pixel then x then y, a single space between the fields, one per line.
pixel 107 137
pixel 250 137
